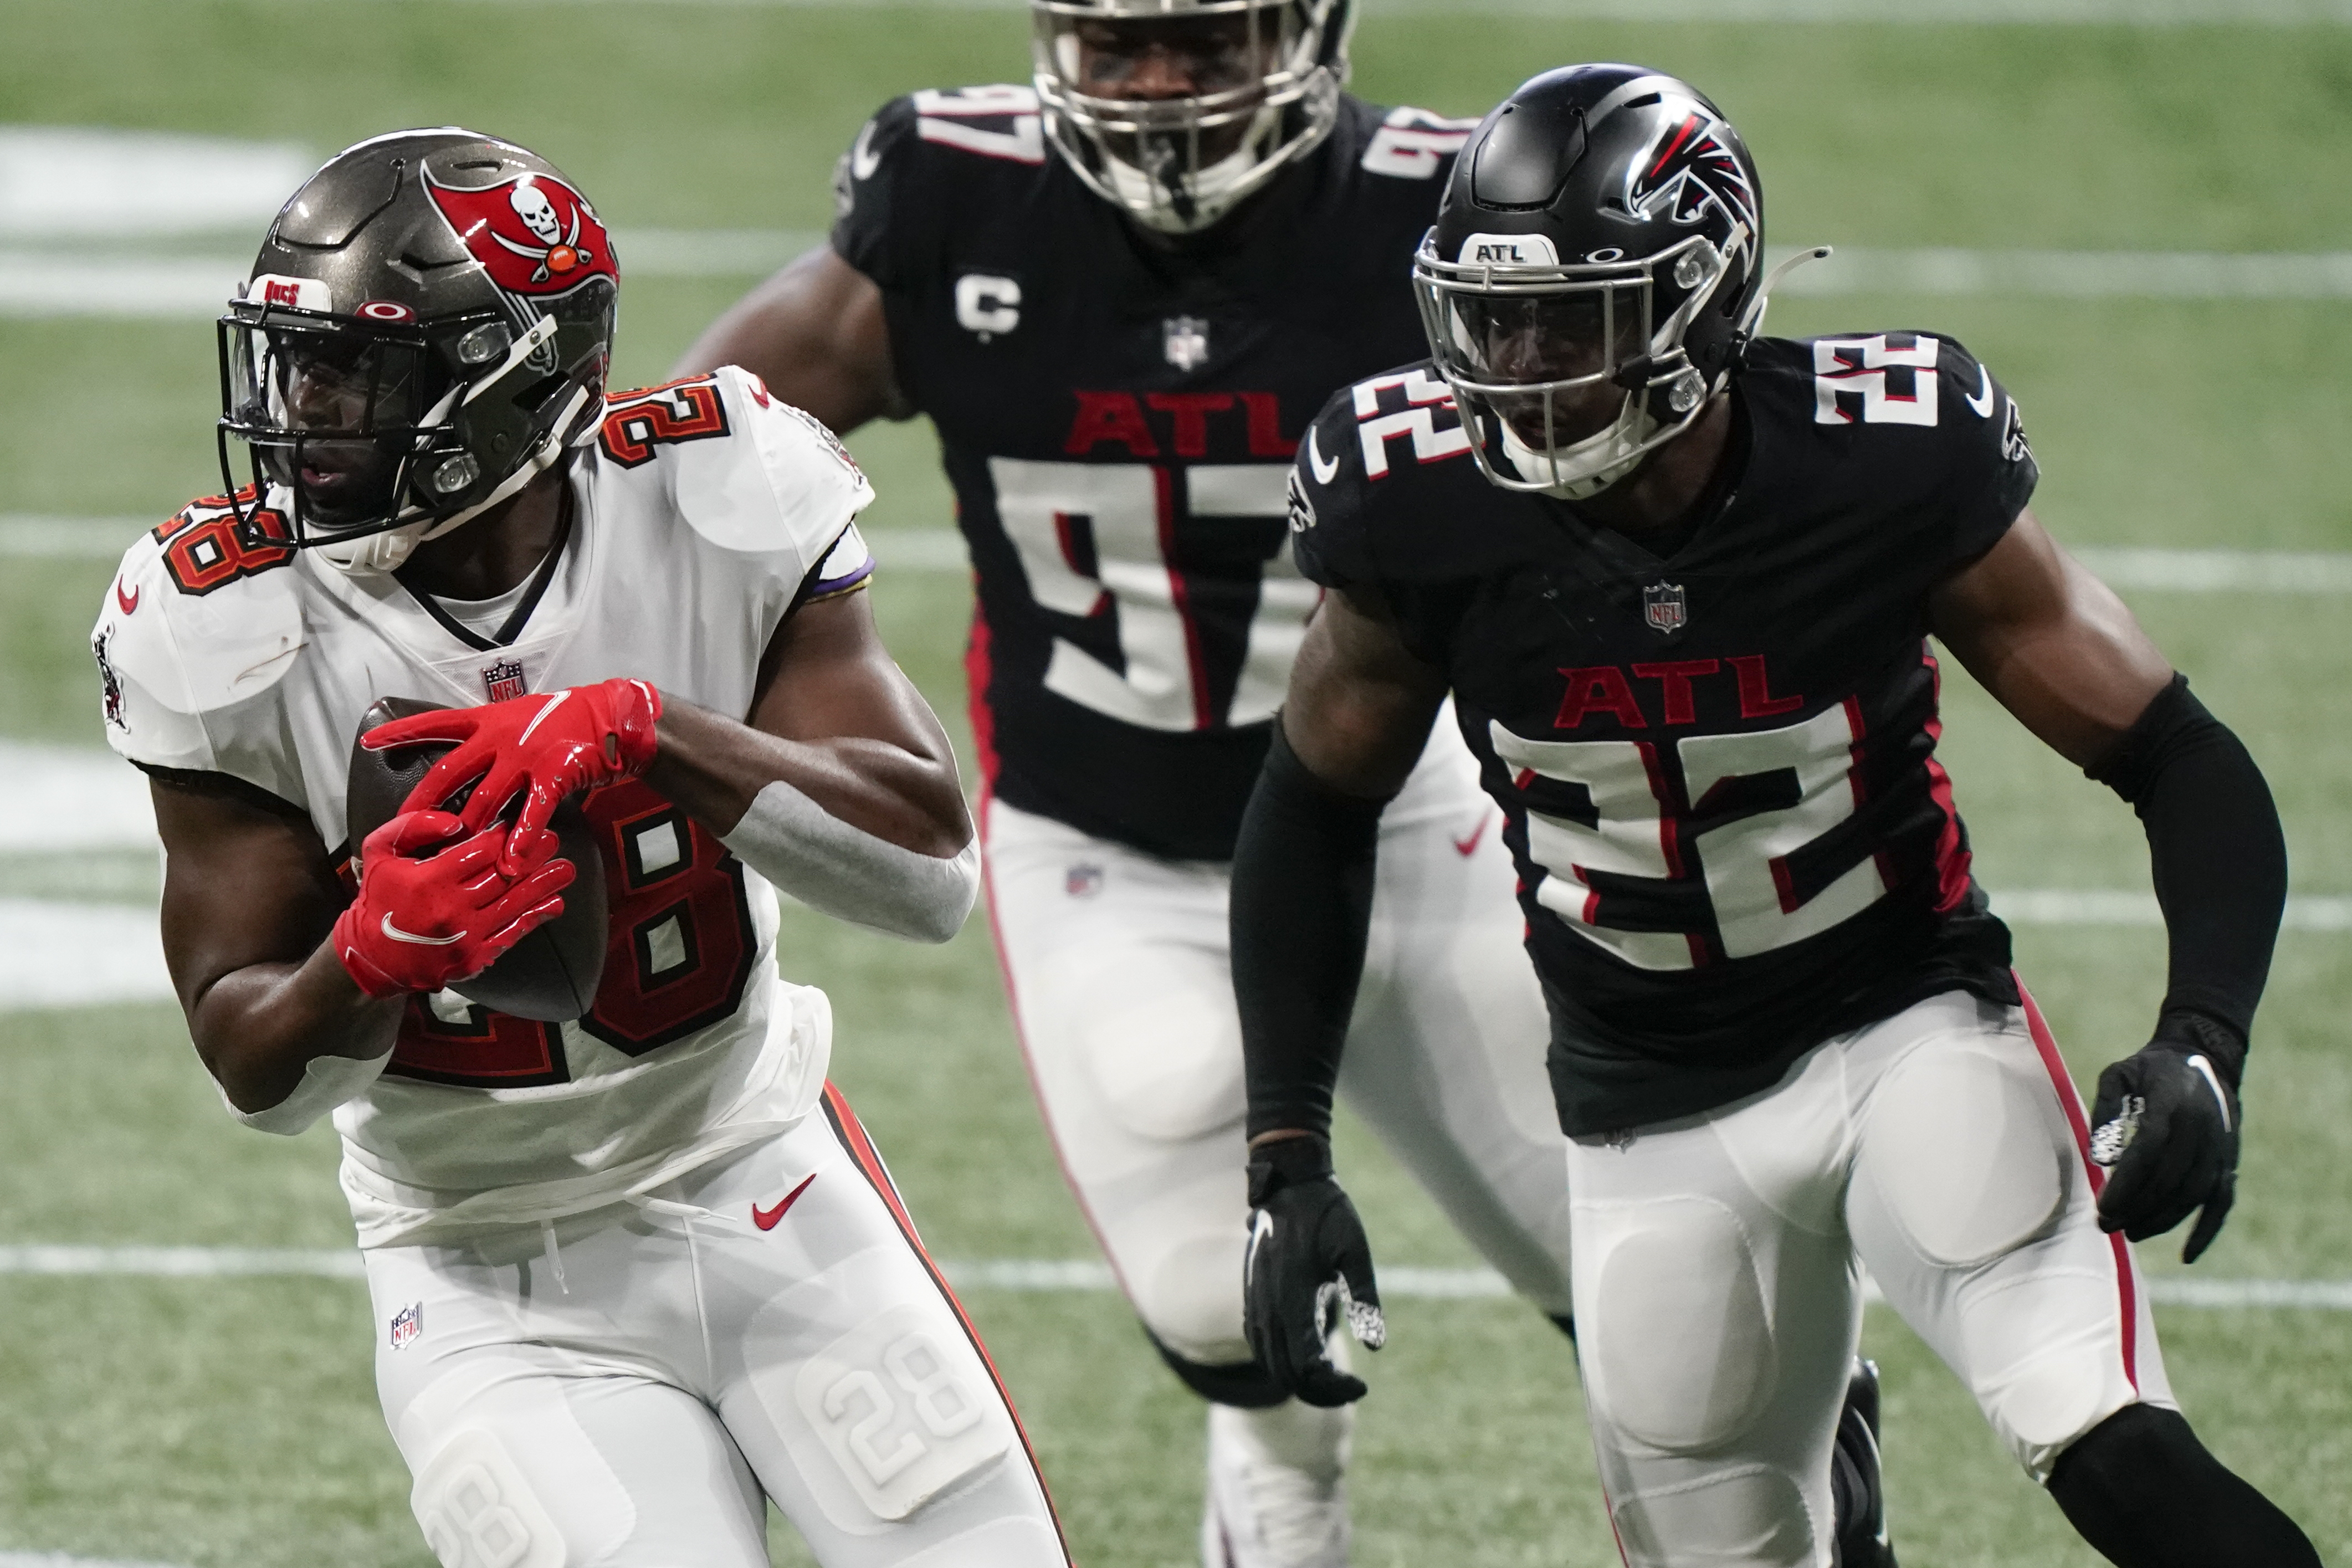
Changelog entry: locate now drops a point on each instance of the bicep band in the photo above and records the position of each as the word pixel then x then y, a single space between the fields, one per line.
pixel 852 875
pixel 327 1082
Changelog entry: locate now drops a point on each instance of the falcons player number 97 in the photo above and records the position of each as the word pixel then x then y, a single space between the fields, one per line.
pixel 637 1272
pixel 1678 580
pixel 1119 291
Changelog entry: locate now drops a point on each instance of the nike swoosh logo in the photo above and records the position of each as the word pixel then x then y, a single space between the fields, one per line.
pixel 397 934
pixel 130 601
pixel 1981 399
pixel 1464 846
pixel 540 716
pixel 2213 1083
pixel 766 1218
pixel 863 159
pixel 1324 472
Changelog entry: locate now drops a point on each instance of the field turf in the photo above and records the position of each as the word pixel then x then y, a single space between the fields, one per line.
pixel 227 1422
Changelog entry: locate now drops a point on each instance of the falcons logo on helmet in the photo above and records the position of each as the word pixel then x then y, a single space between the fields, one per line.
pixel 1690 170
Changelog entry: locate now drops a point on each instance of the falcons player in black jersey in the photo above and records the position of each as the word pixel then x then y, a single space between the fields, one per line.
pixel 1120 294
pixel 1678 581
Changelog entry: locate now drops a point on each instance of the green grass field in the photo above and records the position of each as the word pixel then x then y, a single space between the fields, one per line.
pixel 232 1421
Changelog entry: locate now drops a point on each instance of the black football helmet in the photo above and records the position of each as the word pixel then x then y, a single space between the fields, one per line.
pixel 1176 111
pixel 427 327
pixel 1594 274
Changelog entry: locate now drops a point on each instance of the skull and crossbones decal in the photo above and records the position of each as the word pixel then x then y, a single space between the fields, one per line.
pixel 559 250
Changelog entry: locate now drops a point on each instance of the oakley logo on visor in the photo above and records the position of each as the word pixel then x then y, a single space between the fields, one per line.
pixel 297 293
pixel 1508 250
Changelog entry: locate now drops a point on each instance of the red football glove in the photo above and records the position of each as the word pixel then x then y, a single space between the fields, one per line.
pixel 423 919
pixel 545 748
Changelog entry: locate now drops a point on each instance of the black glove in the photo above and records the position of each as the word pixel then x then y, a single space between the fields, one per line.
pixel 1307 1263
pixel 2166 1126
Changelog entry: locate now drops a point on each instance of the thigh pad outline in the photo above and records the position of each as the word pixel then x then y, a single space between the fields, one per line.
pixel 477 1511
pixel 1968 1152
pixel 1156 1031
pixel 1680 1327
pixel 904 1408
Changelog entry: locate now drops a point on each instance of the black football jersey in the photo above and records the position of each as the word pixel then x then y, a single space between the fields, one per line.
pixel 1719 769
pixel 1116 412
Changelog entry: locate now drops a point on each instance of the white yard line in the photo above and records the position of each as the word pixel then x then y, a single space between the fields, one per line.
pixel 2218 571
pixel 66 1560
pixel 2076 274
pixel 55 955
pixel 59 280
pixel 2032 13
pixel 1048 1275
pixel 34 536
pixel 2067 907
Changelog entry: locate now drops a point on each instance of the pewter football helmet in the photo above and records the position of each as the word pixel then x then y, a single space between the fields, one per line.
pixel 427 328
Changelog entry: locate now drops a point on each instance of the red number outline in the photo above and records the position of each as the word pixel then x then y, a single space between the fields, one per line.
pixel 639 421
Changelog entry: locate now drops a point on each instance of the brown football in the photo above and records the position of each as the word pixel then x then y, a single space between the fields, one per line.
pixel 551 975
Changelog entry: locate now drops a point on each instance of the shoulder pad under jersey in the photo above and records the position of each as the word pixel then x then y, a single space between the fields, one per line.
pixel 1348 474
pixel 1918 416
pixel 909 163
pixel 748 473
pixel 202 618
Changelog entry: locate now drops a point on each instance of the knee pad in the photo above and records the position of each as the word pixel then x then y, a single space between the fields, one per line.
pixel 1961 1148
pixel 1188 1294
pixel 1241 1384
pixel 1750 1515
pixel 1683 1346
pixel 477 1511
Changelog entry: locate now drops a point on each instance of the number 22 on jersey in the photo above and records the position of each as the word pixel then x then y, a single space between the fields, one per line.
pixel 1748 863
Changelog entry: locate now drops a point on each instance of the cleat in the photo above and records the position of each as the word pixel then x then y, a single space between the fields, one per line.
pixel 1856 1488
pixel 1271 1509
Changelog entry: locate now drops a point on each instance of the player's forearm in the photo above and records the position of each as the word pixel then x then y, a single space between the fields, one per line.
pixel 2216 850
pixel 866 830
pixel 259 1028
pixel 1301 915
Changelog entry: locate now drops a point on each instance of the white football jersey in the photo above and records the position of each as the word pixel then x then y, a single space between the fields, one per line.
pixel 705 511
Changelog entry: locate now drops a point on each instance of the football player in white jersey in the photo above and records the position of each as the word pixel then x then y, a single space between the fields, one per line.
pixel 1119 295
pixel 635 1272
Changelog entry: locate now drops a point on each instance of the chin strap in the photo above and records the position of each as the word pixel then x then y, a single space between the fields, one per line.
pixel 389 551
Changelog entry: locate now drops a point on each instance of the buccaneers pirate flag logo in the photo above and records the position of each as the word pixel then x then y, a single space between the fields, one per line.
pixel 533 233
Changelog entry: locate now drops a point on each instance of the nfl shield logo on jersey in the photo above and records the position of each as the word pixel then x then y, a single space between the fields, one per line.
pixel 1186 339
pixel 1083 880
pixel 406 1324
pixel 1663 607
pixel 503 681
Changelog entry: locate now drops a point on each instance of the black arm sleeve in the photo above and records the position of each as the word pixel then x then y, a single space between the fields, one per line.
pixel 2217 856
pixel 1301 909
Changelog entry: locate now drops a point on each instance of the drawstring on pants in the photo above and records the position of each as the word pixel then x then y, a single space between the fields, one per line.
pixel 554 1257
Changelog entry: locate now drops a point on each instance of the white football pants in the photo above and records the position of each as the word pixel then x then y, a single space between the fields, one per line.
pixel 1116 964
pixel 622 1393
pixel 1718 1302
